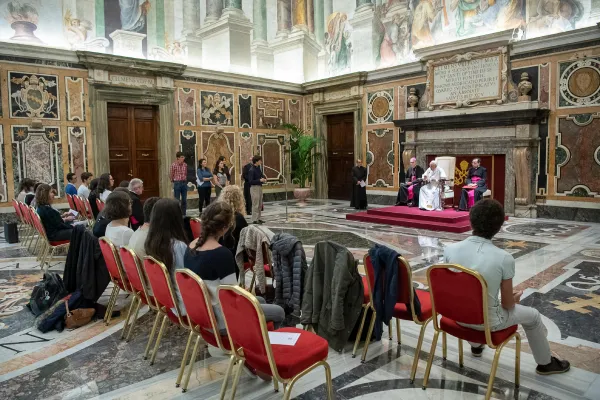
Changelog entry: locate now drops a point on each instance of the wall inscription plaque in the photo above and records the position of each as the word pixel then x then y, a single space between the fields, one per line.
pixel 132 80
pixel 467 80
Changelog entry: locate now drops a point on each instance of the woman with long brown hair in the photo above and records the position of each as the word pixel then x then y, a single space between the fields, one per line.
pixel 56 225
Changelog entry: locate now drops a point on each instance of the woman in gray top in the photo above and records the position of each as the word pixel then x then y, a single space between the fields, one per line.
pixel 220 177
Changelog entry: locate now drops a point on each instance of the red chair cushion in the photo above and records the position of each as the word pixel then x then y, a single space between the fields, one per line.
pixel 402 312
pixel 267 269
pixel 450 326
pixel 291 360
pixel 59 242
pixel 367 293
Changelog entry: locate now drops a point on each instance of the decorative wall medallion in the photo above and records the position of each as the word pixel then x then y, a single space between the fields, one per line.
pixel 186 102
pixel 270 112
pixel 215 145
pixel 74 98
pixel 271 150
pixel 37 154
pixel 245 111
pixel 217 108
pixel 77 151
pixel 33 96
pixel 579 83
pixel 188 144
pixel 380 143
pixel 295 112
pixel 381 106
pixel 3 181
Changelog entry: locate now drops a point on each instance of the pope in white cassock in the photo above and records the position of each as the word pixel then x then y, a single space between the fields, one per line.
pixel 429 196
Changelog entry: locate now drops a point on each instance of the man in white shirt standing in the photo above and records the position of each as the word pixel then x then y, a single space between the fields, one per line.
pixel 84 190
pixel 497 267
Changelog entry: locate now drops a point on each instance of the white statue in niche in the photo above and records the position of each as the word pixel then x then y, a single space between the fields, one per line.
pixel 133 14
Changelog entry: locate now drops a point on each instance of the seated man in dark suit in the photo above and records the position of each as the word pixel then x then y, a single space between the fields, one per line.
pixel 409 191
pixel 476 186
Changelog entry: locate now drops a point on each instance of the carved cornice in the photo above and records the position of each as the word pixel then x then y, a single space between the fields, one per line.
pixel 135 66
pixel 496 39
pixel 479 120
pixel 567 39
pixel 336 82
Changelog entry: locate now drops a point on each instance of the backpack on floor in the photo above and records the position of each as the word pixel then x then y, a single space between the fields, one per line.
pixel 46 293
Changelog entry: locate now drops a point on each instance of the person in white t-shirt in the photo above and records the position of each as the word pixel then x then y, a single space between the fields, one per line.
pixel 83 190
pixel 497 267
pixel 118 210
pixel 138 239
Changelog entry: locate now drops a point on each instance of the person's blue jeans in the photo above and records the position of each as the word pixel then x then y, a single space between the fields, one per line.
pixel 180 192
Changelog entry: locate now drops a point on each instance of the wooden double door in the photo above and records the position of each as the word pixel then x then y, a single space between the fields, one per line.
pixel 340 155
pixel 133 145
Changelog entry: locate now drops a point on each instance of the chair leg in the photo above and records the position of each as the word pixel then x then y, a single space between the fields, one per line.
pixel 133 322
pixel 368 339
pixel 390 329
pixel 413 372
pixel 328 381
pixel 398 331
pixel 184 359
pixel 430 360
pixel 151 337
pixel 51 257
pixel 236 377
pixel 158 338
pixel 359 333
pixel 275 385
pixel 226 378
pixel 127 323
pixel 444 346
pixel 488 394
pixel 460 353
pixel 518 360
pixel 44 254
pixel 191 367
pixel 252 283
pixel 111 303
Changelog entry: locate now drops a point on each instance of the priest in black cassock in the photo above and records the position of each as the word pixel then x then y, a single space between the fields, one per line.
pixel 359 191
pixel 476 186
pixel 414 173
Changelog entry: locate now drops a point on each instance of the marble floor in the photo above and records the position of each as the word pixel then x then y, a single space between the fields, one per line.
pixel 557 264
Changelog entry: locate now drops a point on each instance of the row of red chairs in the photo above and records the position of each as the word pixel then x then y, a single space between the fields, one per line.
pixel 31 228
pixel 82 205
pixel 247 341
pixel 456 295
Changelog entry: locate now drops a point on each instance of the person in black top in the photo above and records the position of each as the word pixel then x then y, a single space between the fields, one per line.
pixel 225 168
pixel 136 188
pixel 232 195
pixel 256 180
pixel 359 192
pixel 57 226
pixel 476 185
pixel 93 196
pixel 244 177
pixel 215 264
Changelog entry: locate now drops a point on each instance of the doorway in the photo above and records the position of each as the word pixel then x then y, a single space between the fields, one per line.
pixel 133 145
pixel 340 155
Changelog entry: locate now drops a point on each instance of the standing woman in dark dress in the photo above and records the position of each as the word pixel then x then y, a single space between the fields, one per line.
pixel 359 193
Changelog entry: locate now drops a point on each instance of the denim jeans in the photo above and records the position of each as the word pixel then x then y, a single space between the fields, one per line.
pixel 180 192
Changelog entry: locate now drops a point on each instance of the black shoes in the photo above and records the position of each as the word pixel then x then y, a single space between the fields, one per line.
pixel 477 351
pixel 556 366
pixel 259 222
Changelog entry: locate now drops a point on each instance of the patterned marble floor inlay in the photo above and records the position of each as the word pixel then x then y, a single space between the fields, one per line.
pixel 557 266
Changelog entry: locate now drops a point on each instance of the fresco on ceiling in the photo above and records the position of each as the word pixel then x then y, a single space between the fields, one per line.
pixel 157 29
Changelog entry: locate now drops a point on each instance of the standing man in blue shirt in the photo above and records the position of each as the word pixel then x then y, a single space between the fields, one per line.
pixel 70 188
pixel 256 180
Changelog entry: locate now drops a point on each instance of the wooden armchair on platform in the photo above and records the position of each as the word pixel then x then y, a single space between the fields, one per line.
pixel 460 295
pixel 250 343
pixel 448 164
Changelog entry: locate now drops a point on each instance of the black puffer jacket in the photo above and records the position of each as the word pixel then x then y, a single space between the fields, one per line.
pixel 289 268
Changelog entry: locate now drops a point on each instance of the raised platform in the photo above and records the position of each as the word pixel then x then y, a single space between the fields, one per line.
pixel 448 220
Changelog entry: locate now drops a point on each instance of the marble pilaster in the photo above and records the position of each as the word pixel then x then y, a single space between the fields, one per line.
pixel 284 17
pixel 191 17
pixel 363 55
pixel 214 9
pixel 259 19
pixel 319 21
pixel 262 59
pixel 310 14
pixel 299 14
pixel 298 45
pixel 233 7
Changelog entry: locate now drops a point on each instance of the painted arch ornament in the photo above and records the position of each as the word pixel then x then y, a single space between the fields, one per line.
pixel 33 96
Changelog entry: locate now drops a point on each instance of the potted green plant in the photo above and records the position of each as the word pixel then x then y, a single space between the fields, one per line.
pixel 303 156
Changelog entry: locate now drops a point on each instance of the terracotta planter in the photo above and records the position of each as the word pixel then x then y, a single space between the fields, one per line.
pixel 301 194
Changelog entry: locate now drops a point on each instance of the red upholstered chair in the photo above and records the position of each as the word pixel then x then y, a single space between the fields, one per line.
pixel 138 283
pixel 48 247
pixel 71 202
pixel 368 280
pixel 25 229
pixel 80 208
pixel 201 319
pixel 21 223
pixel 166 301
pixel 100 205
pixel 401 311
pixel 250 343
pixel 196 227
pixel 117 276
pixel 459 294
pixel 27 213
pixel 87 208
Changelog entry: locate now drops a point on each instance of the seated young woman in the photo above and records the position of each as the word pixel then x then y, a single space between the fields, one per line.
pixel 166 240
pixel 234 196
pixel 215 264
pixel 57 225
pixel 118 210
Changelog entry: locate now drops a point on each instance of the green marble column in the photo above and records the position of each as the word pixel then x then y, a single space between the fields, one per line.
pixel 99 18
pixel 214 9
pixel 363 3
pixel 259 19
pixel 319 21
pixel 233 4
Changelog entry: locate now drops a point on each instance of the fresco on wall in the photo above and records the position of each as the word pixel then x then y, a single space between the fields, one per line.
pixel 383 37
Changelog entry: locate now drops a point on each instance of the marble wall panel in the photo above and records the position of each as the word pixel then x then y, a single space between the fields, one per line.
pixel 215 145
pixel 309 112
pixel 246 149
pixel 402 102
pixel 295 112
pixel 217 108
pixel 270 112
pixel 186 106
pixel 77 149
pixel 380 145
pixel 188 144
pixel 577 156
pixel 37 154
pixel 33 95
pixel 245 111
pixel 544 92
pixel 271 150
pixel 74 98
pixel 579 83
pixel 542 169
pixel 380 106
pixel 3 180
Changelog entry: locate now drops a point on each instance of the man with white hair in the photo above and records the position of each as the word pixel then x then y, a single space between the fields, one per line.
pixel 136 188
pixel 429 196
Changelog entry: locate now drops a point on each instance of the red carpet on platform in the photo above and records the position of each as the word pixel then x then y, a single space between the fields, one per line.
pixel 448 220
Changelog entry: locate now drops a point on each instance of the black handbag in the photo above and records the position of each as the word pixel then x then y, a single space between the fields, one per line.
pixel 46 293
